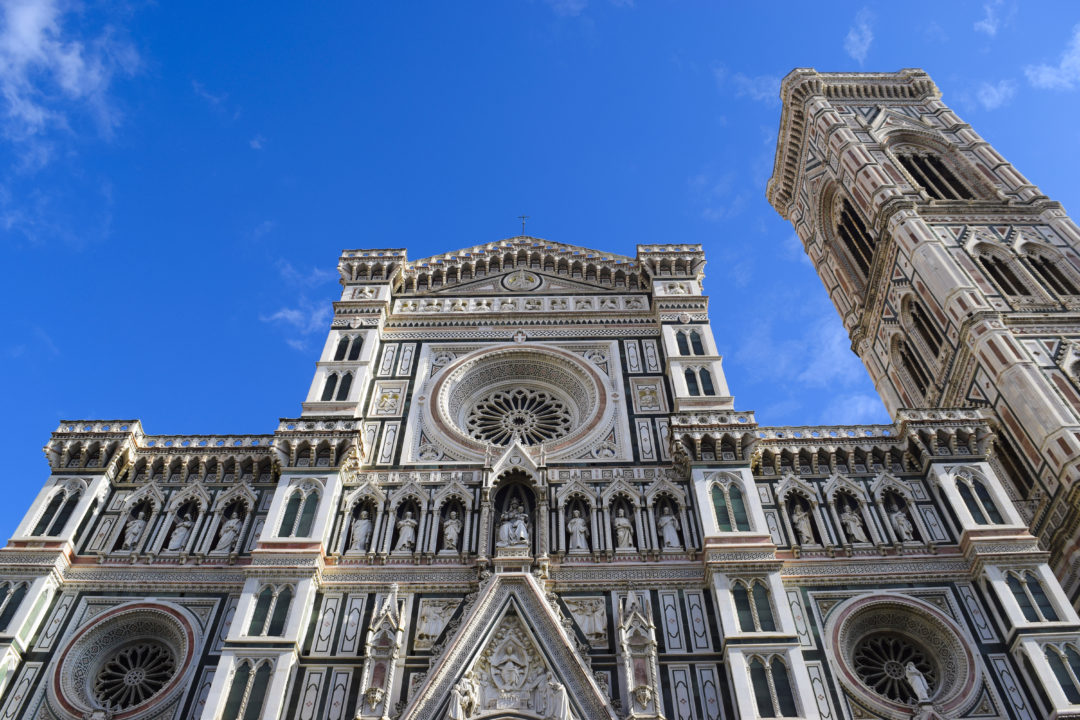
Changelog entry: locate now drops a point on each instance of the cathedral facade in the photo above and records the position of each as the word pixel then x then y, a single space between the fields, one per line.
pixel 519 487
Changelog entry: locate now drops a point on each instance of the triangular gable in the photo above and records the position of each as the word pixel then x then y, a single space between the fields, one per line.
pixel 529 244
pixel 510 625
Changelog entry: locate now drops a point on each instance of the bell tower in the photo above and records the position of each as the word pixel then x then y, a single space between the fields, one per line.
pixel 957 279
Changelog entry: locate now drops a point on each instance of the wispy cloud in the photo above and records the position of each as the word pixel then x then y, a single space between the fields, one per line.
pixel 568 8
pixel 263 228
pixel 49 73
pixel 994 96
pixel 991 20
pixel 301 321
pixel 257 142
pixel 860 36
pixel 1062 76
pixel 217 101
pixel 829 361
pixel 315 276
pixel 714 194
pixel 762 88
pixel 855 409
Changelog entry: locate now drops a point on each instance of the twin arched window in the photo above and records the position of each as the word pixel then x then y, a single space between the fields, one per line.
pixel 299 513
pixel 689 340
pixel 1064 660
pixel 935 177
pixel 926 327
pixel 752 605
pixel 699 381
pixel 250 682
pixel 57 513
pixel 271 611
pixel 729 508
pixel 856 238
pixel 913 365
pixel 348 348
pixel 772 687
pixel 1052 273
pixel 978 501
pixel 332 385
pixel 1031 597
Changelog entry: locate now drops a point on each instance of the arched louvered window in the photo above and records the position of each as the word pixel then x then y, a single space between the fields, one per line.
pixel 356 347
pixel 913 364
pixel 1030 596
pixel 926 328
pixel 1059 280
pixel 691 382
pixel 978 501
pixel 1003 275
pixel 47 516
pixel 695 343
pixel 271 611
pixel 706 382
pixel 729 508
pixel 329 387
pixel 1065 662
pixel 856 238
pixel 346 385
pixel 935 177
pixel 62 517
pixel 752 606
pixel 684 347
pixel 342 348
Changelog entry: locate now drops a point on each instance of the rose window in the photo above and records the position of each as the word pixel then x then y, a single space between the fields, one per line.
pixel 133 674
pixel 535 416
pixel 881 662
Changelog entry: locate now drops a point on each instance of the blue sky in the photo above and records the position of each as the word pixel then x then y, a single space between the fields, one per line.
pixel 177 179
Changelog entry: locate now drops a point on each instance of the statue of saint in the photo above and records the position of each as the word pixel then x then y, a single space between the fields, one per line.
pixel 624 531
pixel 451 531
pixel 180 534
pixel 800 520
pixel 918 683
pixel 361 532
pixel 133 530
pixel 905 531
pixel 230 531
pixel 853 525
pixel 406 528
pixel 579 532
pixel 669 529
pixel 513 527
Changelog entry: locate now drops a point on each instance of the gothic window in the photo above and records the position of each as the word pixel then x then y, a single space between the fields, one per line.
pixel 772 688
pixel 706 382
pixel 329 387
pixel 346 384
pixel 978 501
pixel 299 513
pixel 56 514
pixel 1065 662
pixel 753 606
pixel 1031 597
pixel 856 238
pixel 695 343
pixel 935 177
pixel 927 329
pixel 684 346
pixel 11 596
pixel 271 611
pixel 1060 281
pixel 913 366
pixel 248 691
pixel 691 382
pixel 354 349
pixel 342 348
pixel 730 508
pixel 1004 275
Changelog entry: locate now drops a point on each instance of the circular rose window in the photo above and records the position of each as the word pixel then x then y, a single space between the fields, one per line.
pixel 535 394
pixel 885 644
pixel 131 661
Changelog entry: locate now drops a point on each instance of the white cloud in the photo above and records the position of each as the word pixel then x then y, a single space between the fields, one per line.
pixel 991 19
pixel 855 409
pixel 315 276
pixel 47 72
pixel 305 319
pixel 992 97
pixel 257 142
pixel 828 360
pixel 1062 76
pixel 762 88
pixel 860 36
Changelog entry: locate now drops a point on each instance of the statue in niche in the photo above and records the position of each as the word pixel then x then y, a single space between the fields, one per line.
pixel 406 528
pixel 624 531
pixel 905 531
pixel 853 525
pixel 917 682
pixel 558 702
pixel 180 534
pixel 133 530
pixel 579 532
pixel 668 525
pixel 361 532
pixel 451 531
pixel 800 520
pixel 230 531
pixel 464 698
pixel 513 527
